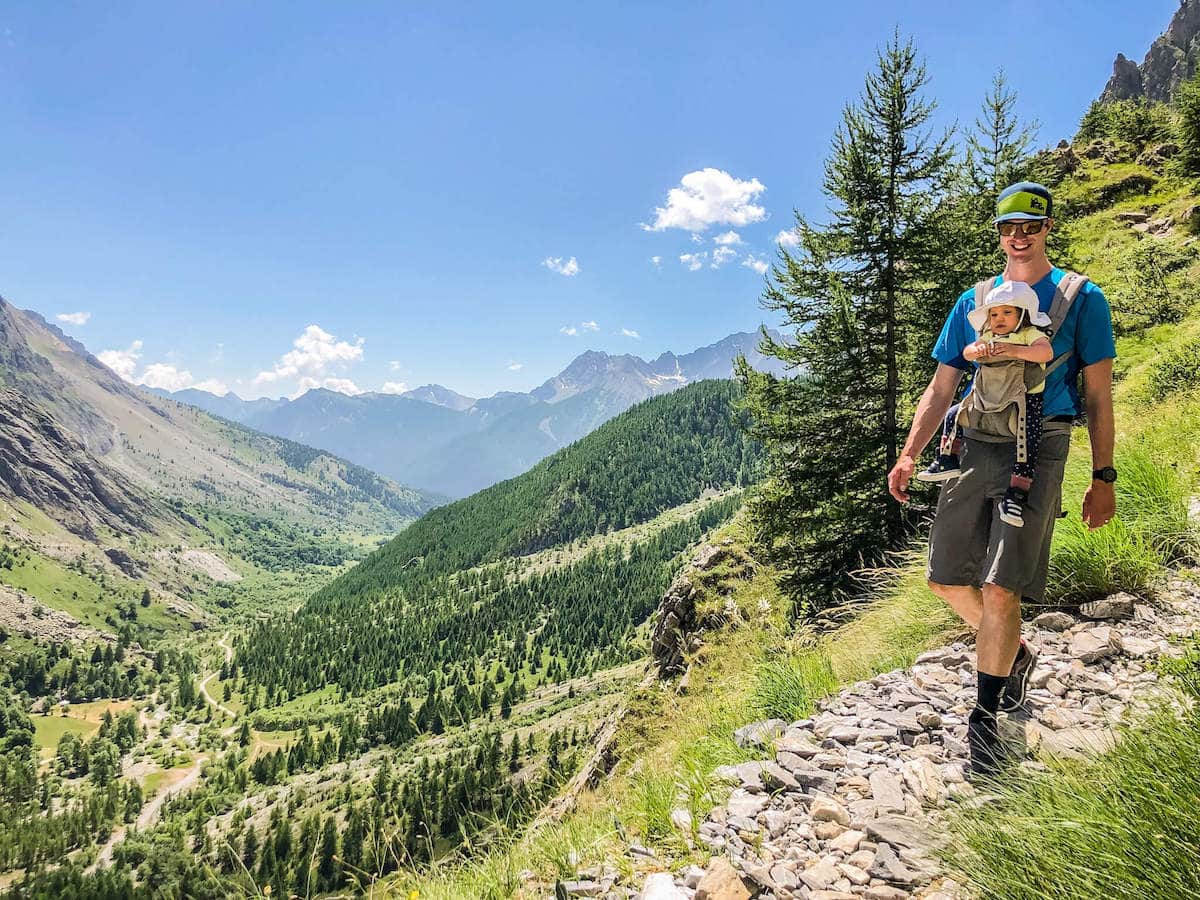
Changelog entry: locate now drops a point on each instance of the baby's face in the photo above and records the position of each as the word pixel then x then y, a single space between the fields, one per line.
pixel 1003 319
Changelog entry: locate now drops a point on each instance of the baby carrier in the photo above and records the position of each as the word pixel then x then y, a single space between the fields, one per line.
pixel 995 403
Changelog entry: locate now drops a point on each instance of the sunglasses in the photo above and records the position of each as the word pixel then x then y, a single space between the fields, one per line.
pixel 1030 227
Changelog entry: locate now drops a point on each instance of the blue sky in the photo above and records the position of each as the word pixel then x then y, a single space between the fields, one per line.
pixel 271 195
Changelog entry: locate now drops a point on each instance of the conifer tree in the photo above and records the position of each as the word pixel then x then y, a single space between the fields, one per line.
pixel 851 293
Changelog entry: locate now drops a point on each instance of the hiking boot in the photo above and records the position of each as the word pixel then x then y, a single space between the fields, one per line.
pixel 1017 685
pixel 1012 507
pixel 944 468
pixel 983 740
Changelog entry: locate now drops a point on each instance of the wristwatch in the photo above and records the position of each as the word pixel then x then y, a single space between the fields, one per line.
pixel 1108 474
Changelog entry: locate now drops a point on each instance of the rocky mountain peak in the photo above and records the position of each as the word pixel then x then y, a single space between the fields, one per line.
pixel 1171 60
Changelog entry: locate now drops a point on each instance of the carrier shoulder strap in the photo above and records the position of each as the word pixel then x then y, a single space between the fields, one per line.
pixel 1065 292
pixel 981 291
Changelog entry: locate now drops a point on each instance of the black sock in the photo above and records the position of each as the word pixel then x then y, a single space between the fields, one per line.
pixel 990 687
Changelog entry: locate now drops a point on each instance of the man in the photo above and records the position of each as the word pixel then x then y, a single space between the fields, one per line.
pixel 977 565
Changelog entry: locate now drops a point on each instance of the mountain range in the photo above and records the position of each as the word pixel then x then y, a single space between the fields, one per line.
pixel 112 464
pixel 444 442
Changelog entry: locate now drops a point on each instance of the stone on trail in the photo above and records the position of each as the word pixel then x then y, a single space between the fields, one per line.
pixel 661 886
pixel 759 734
pixel 743 803
pixel 889 867
pixel 820 876
pixel 899 831
pixel 1114 606
pixel 885 788
pixel 1053 621
pixel 826 809
pixel 886 892
pixel 847 842
pixel 721 882
pixel 831 895
pixel 1095 644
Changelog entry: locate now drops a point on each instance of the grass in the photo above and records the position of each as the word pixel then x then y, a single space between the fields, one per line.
pixel 48 731
pixel 1122 825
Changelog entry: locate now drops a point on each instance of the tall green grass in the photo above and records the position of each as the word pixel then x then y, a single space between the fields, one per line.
pixel 788 688
pixel 1120 826
pixel 1151 531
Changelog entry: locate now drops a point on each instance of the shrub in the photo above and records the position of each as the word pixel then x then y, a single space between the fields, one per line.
pixel 1138 122
pixel 1187 102
pixel 1147 290
pixel 1178 371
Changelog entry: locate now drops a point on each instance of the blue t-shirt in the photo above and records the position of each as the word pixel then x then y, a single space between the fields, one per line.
pixel 1087 328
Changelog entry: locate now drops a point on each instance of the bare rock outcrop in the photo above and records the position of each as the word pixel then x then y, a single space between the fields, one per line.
pixel 1171 60
pixel 712 572
pixel 43 464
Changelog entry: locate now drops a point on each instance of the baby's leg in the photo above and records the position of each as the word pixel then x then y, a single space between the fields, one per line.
pixel 1022 473
pixel 951 443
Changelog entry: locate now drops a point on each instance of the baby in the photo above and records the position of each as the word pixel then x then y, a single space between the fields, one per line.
pixel 1009 326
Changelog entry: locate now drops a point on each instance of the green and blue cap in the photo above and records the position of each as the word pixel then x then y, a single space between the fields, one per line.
pixel 1023 201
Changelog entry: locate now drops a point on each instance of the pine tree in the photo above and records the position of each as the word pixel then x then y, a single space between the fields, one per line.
pixel 850 293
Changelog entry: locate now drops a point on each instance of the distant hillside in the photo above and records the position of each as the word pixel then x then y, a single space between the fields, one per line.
pixel 454 445
pixel 658 455
pixel 89 450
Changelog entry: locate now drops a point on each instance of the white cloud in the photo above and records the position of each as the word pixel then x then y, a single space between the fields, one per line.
pixel 728 239
pixel 787 238
pixel 657 260
pixel 394 387
pixel 556 264
pixel 515 366
pixel 569 330
pixel 213 386
pixel 314 352
pixel 693 261
pixel 757 263
pixel 696 239
pixel 161 375
pixel 123 362
pixel 340 385
pixel 709 197
pixel 166 377
pixel 630 333
pixel 394 365
pixel 75 318
pixel 589 326
pixel 722 255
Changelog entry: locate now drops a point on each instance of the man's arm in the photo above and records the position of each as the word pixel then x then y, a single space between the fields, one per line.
pixel 931 410
pixel 1100 501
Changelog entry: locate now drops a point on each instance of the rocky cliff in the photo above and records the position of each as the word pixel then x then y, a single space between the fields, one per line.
pixel 1171 60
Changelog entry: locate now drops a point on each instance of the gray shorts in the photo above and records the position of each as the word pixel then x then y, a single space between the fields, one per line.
pixel 970 545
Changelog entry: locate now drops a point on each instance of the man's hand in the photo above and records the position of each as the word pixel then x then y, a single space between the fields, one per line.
pixel 900 476
pixel 1099 505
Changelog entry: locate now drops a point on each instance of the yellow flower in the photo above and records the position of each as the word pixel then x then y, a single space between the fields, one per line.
pixel 266 890
pixel 414 895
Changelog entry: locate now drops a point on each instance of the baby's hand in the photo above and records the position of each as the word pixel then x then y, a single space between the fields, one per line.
pixel 999 348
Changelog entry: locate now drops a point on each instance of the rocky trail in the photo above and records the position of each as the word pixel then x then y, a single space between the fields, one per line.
pixel 848 805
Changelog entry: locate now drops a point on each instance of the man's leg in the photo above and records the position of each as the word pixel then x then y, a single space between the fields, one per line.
pixel 965 600
pixel 999 635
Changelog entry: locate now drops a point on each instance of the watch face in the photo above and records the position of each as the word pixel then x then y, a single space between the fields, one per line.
pixel 1108 474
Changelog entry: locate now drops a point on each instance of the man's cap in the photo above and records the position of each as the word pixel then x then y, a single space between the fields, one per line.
pixel 1022 201
pixel 1009 293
